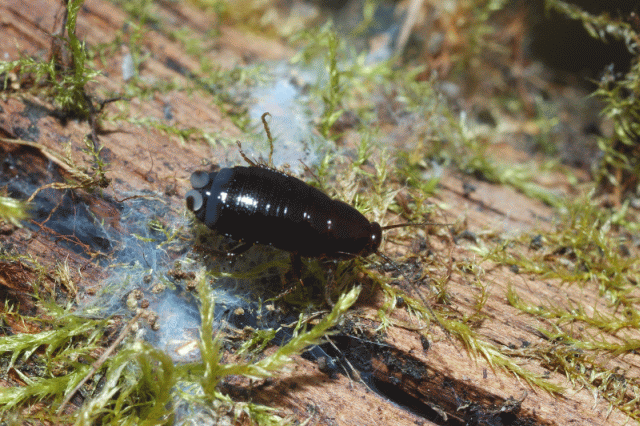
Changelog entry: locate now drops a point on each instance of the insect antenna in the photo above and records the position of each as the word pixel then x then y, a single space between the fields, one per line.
pixel 400 225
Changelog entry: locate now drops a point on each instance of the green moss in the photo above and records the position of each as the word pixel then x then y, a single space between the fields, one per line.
pixel 620 164
pixel 64 85
pixel 144 12
pixel 334 90
pixel 619 168
pixel 59 356
pixel 583 249
pixel 12 210
pixel 583 356
pixel 472 19
pixel 375 180
pixel 139 384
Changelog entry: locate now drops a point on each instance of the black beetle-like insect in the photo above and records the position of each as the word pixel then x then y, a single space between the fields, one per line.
pixel 259 205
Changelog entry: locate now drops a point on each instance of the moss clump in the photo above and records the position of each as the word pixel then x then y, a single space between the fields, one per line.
pixel 582 250
pixel 12 210
pixel 619 169
pixel 585 249
pixel 64 77
pixel 140 383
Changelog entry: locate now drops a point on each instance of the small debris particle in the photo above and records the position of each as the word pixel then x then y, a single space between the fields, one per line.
pixel 536 242
pixel 158 288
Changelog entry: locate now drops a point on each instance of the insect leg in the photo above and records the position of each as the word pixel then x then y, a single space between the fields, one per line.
pixel 209 250
pixel 331 281
pixel 231 254
pixel 296 272
pixel 296 267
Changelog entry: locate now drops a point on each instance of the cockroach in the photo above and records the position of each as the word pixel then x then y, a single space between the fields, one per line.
pixel 261 205
pixel 258 205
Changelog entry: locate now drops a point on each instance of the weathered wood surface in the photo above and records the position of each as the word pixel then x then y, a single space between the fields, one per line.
pixel 444 376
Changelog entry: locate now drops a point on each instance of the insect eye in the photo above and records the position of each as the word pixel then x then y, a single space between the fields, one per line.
pixel 199 179
pixel 194 200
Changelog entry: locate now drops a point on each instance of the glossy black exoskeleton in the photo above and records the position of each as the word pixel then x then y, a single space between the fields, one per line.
pixel 259 205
